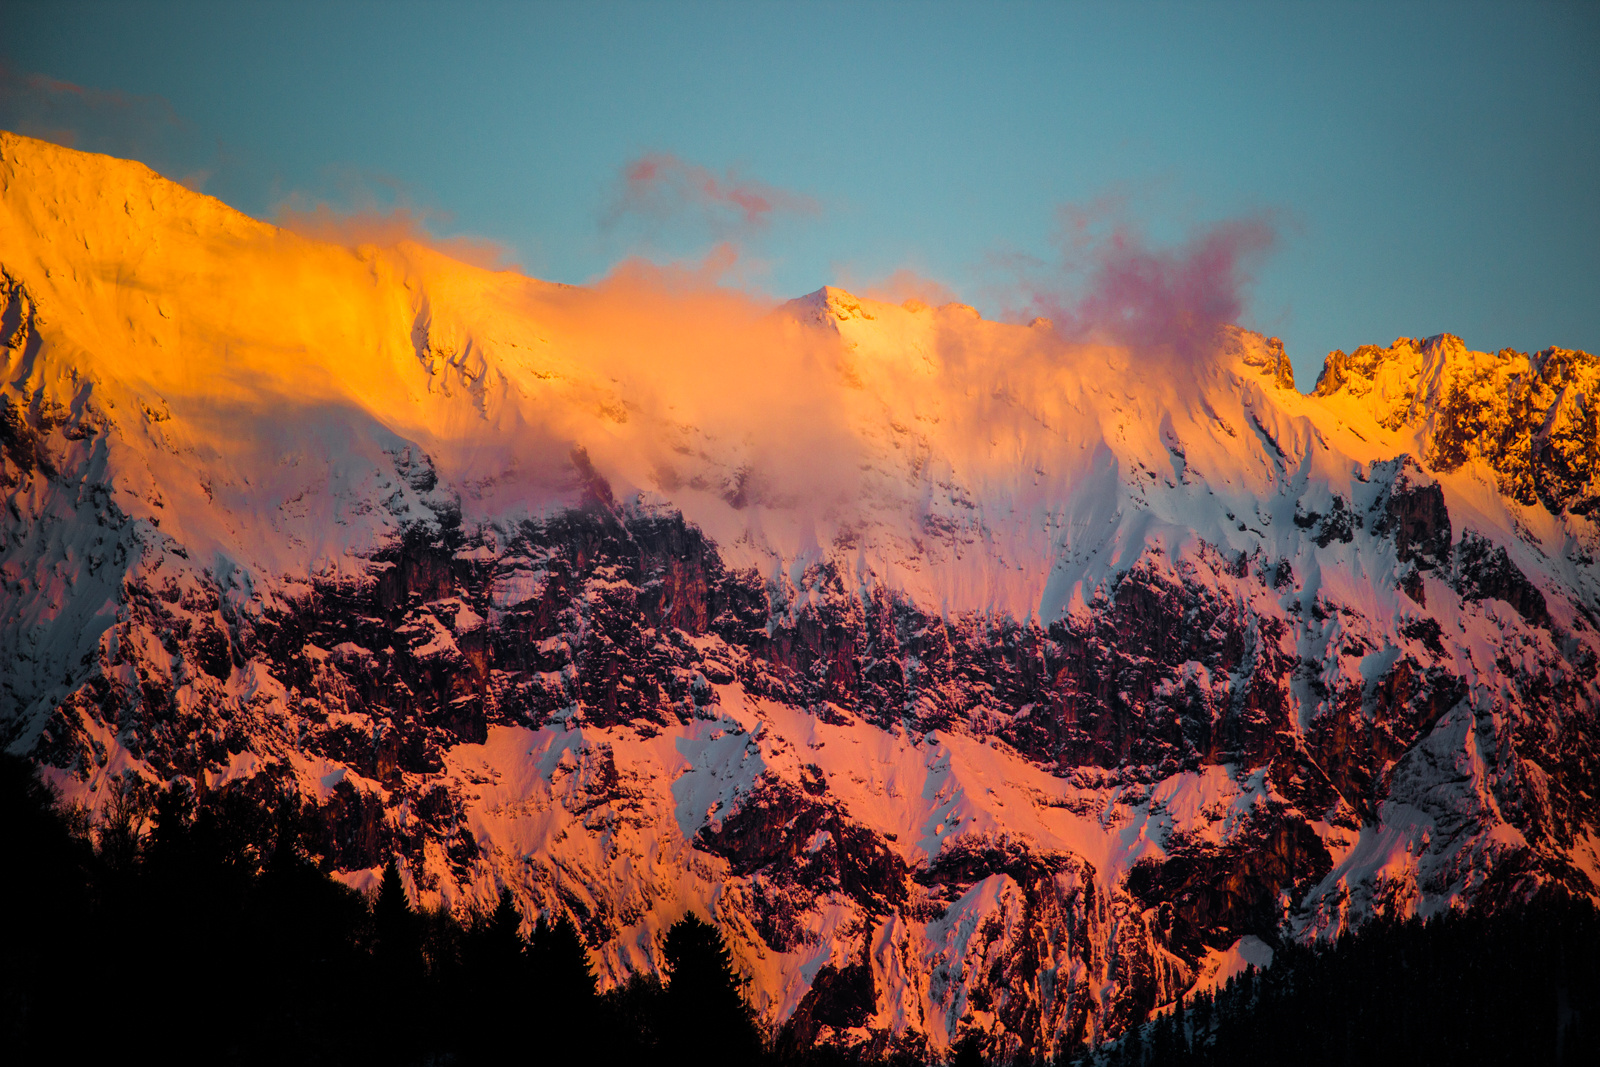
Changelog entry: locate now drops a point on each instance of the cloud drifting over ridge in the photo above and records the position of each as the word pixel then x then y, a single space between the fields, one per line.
pixel 117 123
pixel 379 212
pixel 712 389
pixel 1128 292
pixel 386 228
pixel 715 392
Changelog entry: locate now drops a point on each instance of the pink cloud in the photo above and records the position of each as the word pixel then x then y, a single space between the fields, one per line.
pixel 659 187
pixel 1171 300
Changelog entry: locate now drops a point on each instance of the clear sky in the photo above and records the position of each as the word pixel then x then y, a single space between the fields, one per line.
pixel 1426 167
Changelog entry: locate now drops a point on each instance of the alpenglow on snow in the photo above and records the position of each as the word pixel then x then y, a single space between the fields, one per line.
pixel 969 679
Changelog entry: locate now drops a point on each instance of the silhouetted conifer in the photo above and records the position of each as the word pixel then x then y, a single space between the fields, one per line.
pixel 564 986
pixel 632 1016
pixel 707 1018
pixel 308 956
pixel 393 920
pixel 505 949
pixel 397 959
pixel 503 1007
pixel 45 895
pixel 968 1052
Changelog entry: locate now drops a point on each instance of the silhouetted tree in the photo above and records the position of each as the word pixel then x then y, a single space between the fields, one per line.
pixel 505 950
pixel 397 958
pixel 308 954
pixel 394 925
pixel 632 1017
pixel 564 989
pixel 46 897
pixel 124 816
pixel 498 1027
pixel 968 1052
pixel 707 1020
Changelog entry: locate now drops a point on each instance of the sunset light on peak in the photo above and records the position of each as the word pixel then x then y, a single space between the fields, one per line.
pixel 800 534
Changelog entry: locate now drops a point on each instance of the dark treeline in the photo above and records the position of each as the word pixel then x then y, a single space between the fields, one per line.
pixel 1519 987
pixel 202 930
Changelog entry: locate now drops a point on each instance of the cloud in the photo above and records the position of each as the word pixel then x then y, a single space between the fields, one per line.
pixel 659 189
pixel 907 286
pixel 376 210
pixel 1173 298
pixel 1112 285
pixel 113 122
pixel 717 268
pixel 703 386
pixel 718 393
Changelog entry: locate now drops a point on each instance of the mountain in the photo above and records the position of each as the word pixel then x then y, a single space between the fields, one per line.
pixel 970 679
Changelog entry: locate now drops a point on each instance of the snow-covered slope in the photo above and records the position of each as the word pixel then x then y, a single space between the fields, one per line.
pixel 967 677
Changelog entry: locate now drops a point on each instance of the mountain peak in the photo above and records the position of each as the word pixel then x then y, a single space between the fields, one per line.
pixel 946 664
pixel 1526 418
pixel 829 305
pixel 1264 355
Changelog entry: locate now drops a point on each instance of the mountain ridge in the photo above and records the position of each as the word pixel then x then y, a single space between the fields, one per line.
pixel 1044 681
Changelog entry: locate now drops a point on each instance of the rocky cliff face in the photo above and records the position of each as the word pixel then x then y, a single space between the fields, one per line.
pixel 1100 684
pixel 1529 418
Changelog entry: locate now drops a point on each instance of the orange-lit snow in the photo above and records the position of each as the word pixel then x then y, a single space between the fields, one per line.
pixel 262 390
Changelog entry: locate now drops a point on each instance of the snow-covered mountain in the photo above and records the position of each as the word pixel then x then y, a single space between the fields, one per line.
pixel 967 677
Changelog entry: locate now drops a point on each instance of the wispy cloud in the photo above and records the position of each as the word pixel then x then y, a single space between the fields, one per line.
pixel 659 189
pixel 366 208
pixel 907 286
pixel 1167 298
pixel 1112 283
pixel 111 121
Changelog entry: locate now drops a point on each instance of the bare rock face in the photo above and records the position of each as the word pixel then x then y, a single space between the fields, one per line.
pixel 1485 571
pixel 1265 356
pixel 607 627
pixel 1413 514
pixel 1530 418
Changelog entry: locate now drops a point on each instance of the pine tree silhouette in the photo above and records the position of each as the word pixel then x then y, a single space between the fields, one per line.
pixel 49 937
pixel 504 1004
pixel 393 921
pixel 1180 1036
pixel 564 991
pixel 397 959
pixel 707 1020
pixel 506 951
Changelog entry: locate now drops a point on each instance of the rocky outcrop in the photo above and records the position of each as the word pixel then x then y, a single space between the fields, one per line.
pixel 1530 418
pixel 1484 570
pixel 1412 514
pixel 601 621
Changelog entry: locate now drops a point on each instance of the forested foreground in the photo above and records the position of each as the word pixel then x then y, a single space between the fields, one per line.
pixel 201 929
pixel 1460 989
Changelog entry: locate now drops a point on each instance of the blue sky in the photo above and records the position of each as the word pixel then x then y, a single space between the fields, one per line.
pixel 1426 167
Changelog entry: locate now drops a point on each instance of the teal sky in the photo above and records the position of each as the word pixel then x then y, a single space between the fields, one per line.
pixel 1426 167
